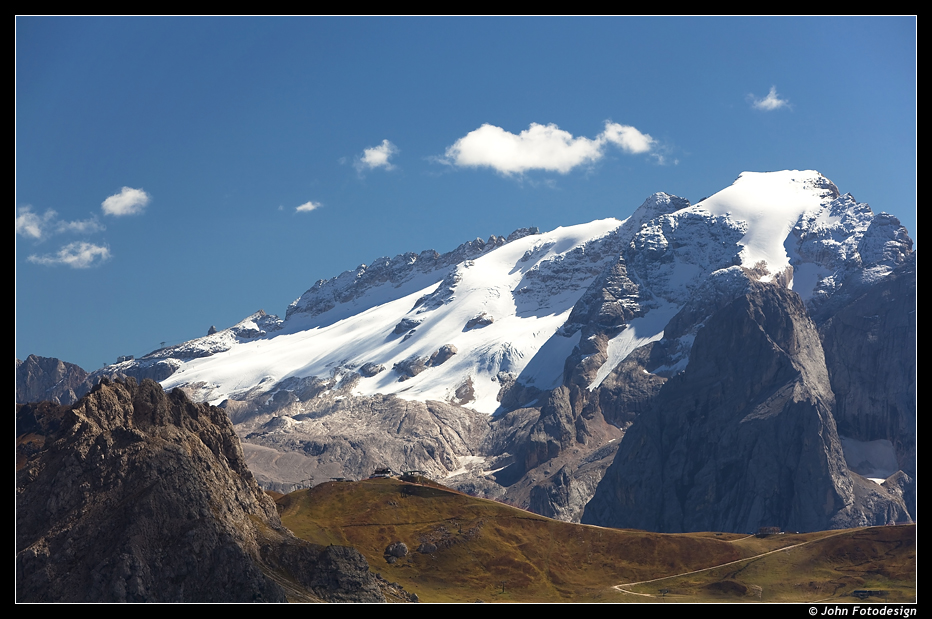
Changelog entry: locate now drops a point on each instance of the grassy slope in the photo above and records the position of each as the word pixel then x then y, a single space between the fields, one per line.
pixel 482 543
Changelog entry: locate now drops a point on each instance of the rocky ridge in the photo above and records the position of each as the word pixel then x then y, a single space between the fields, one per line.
pixel 134 495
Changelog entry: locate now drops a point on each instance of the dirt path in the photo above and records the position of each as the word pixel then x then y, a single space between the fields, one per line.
pixel 620 588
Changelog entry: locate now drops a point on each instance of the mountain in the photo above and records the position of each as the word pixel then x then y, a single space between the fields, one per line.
pixel 519 366
pixel 135 495
pixel 45 378
pixel 745 435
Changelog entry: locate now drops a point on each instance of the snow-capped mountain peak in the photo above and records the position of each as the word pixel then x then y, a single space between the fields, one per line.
pixel 453 326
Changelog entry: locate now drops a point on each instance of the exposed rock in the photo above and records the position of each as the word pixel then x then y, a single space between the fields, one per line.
pixel 870 353
pixel 371 369
pixel 554 430
pixel 410 367
pixel 520 233
pixel 133 495
pixel 333 573
pixel 609 302
pixel 257 325
pixel 513 394
pixel 629 390
pixel 140 370
pixel 903 486
pixel 482 320
pixel 442 355
pixel 351 437
pixel 397 550
pixel 405 325
pixel 211 330
pixel 465 393
pixel 744 437
pixel 45 378
pixel 564 495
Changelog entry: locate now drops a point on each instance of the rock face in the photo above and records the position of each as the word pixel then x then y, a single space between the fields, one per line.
pixel 874 379
pixel 45 378
pixel 870 352
pixel 744 437
pixel 133 495
pixel 351 437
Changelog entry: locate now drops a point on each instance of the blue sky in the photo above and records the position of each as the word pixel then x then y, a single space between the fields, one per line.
pixel 173 174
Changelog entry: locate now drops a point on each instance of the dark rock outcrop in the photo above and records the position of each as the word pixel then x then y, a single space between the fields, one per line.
pixel 405 325
pixel 744 437
pixel 134 495
pixel 442 355
pixel 482 320
pixel 410 367
pixel 371 369
pixel 396 550
pixel 870 348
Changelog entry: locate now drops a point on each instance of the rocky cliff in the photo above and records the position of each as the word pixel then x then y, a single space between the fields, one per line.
pixel 135 495
pixel 744 437
pixel 46 378
pixel 870 355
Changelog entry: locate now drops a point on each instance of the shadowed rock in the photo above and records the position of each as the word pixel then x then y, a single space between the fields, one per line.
pixel 134 495
pixel 744 437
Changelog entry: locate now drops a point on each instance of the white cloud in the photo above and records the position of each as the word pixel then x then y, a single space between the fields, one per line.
pixel 377 157
pixel 77 255
pixel 128 202
pixel 627 138
pixel 771 102
pixel 81 227
pixel 32 225
pixel 541 147
pixel 307 207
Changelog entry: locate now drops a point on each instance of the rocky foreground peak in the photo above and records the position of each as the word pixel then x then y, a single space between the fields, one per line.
pixel 135 495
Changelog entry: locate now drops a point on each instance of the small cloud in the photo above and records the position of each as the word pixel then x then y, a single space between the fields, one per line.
pixel 86 226
pixel 77 255
pixel 34 226
pixel 769 103
pixel 128 202
pixel 307 207
pixel 627 138
pixel 377 157
pixel 541 147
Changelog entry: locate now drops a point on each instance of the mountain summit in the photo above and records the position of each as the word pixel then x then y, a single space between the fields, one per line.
pixel 135 495
pixel 515 367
